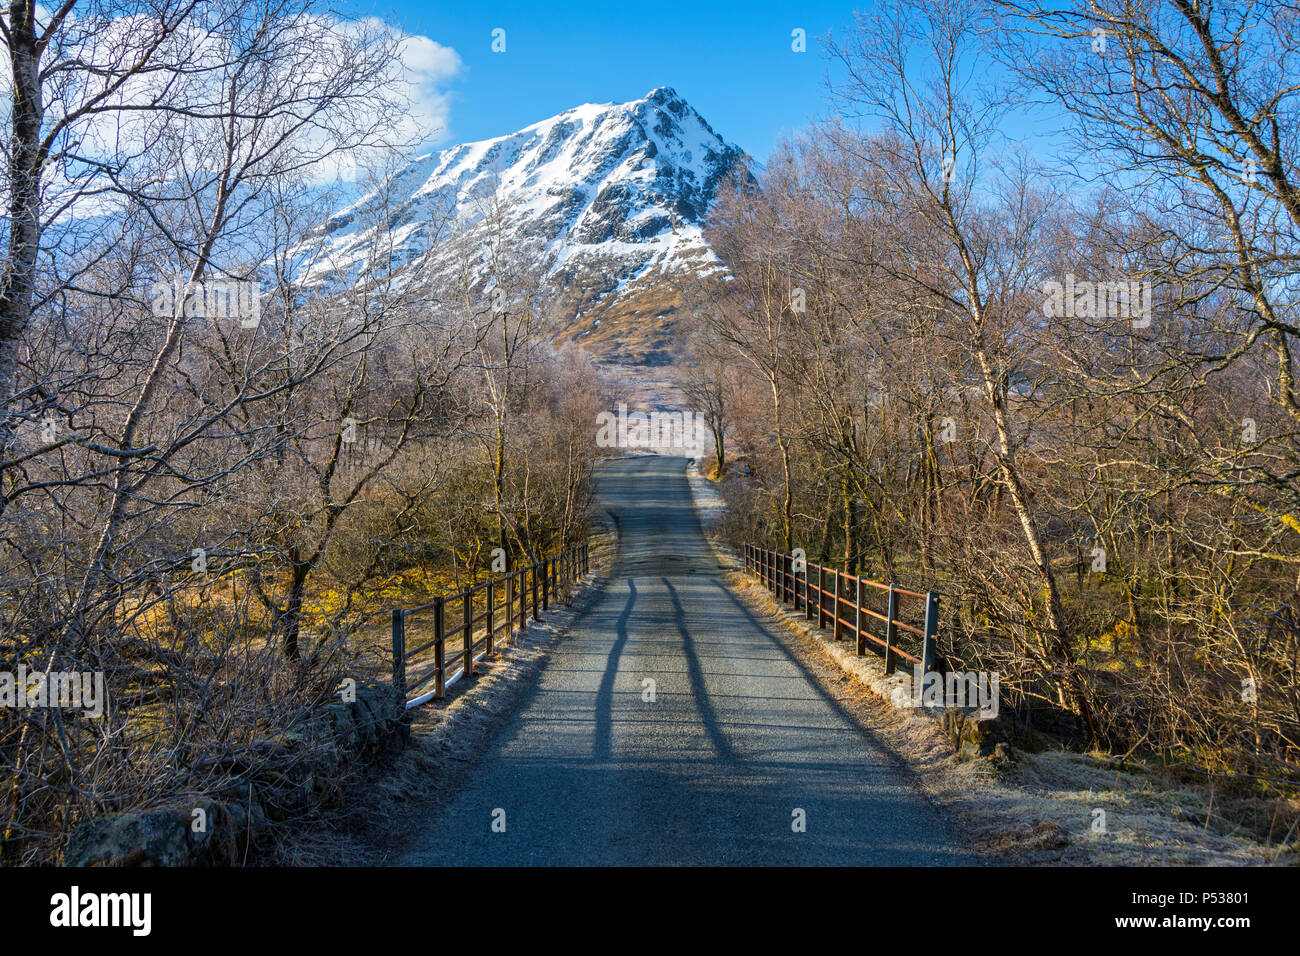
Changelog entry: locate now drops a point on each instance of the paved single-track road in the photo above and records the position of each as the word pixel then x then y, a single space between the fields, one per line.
pixel 739 736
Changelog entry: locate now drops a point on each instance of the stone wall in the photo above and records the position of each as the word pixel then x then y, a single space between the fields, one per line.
pixel 305 769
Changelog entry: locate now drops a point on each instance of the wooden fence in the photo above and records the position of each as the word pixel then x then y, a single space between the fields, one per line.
pixel 501 604
pixel 842 604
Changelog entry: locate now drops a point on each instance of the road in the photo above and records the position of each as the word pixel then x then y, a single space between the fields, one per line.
pixel 738 744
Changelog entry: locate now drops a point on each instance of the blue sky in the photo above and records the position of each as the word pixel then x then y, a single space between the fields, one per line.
pixel 732 61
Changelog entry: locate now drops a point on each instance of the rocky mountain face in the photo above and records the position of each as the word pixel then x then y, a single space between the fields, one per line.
pixel 608 200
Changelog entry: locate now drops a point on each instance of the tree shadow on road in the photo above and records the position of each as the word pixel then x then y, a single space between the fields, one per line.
pixel 601 746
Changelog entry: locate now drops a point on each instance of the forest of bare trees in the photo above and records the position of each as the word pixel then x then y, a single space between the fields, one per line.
pixel 1056 384
pixel 216 477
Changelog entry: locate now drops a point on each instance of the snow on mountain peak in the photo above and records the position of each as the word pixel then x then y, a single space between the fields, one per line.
pixel 609 192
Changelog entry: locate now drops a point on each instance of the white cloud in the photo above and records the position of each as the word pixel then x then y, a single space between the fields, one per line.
pixel 429 66
pixel 418 79
pixel 416 82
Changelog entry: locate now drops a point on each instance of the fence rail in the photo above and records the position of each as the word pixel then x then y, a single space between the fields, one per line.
pixel 500 604
pixel 840 604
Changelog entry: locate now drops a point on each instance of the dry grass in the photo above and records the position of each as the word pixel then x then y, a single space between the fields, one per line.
pixel 635 327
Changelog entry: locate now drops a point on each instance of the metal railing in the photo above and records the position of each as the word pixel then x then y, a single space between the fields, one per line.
pixel 803 584
pixel 499 604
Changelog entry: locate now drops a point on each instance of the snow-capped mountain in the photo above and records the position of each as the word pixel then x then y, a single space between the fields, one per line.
pixel 601 195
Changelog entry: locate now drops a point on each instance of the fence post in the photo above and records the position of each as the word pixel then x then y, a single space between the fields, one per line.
pixel 439 647
pixel 857 618
pixel 807 608
pixel 491 596
pixel 928 654
pixel 399 652
pixel 820 597
pixel 836 627
pixel 787 575
pixel 891 612
pixel 537 609
pixel 546 584
pixel 509 607
pixel 469 634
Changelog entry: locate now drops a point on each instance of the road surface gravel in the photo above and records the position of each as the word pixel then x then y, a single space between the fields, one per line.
pixel 672 728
